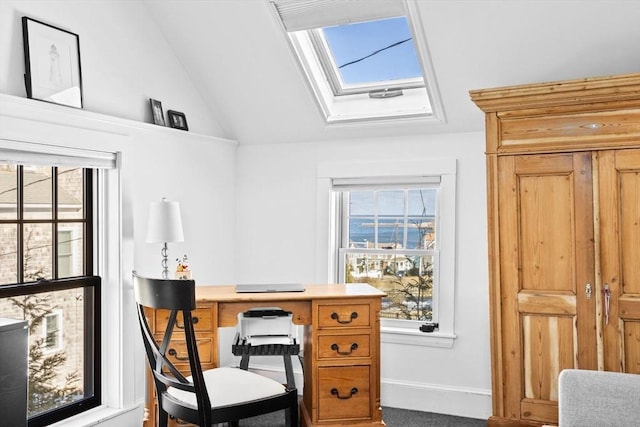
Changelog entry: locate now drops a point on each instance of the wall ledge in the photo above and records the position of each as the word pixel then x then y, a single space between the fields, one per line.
pixel 25 108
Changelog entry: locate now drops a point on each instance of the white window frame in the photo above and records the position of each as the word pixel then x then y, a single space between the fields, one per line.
pixel 396 331
pixel 45 323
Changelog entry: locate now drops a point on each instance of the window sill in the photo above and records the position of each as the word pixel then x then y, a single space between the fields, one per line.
pixel 95 416
pixel 393 335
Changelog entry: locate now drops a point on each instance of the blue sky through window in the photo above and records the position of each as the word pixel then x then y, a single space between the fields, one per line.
pixel 354 41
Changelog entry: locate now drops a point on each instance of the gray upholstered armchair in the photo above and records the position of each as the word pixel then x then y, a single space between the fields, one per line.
pixel 598 399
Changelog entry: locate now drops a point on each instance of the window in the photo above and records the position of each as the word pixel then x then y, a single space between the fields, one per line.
pixel 46 232
pixel 45 220
pixel 52 331
pixel 392 225
pixel 389 239
pixel 363 63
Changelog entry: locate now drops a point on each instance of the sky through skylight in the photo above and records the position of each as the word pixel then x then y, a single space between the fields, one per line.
pixel 351 42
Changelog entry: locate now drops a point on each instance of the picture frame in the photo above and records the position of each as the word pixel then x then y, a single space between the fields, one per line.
pixel 52 63
pixel 156 112
pixel 177 120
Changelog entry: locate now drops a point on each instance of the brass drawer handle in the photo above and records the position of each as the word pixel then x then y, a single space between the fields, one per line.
pixel 336 348
pixel 174 353
pixel 335 316
pixel 194 320
pixel 335 392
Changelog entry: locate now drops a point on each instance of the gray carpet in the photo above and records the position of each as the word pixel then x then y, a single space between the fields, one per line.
pixel 393 417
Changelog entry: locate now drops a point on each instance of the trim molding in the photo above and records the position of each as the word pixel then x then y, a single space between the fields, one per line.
pixel 461 402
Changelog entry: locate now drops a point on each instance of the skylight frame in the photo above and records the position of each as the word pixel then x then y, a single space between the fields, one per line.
pixel 418 103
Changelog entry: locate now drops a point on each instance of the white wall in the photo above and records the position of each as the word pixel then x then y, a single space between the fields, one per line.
pixel 276 240
pixel 125 59
pixel 198 171
pixel 271 222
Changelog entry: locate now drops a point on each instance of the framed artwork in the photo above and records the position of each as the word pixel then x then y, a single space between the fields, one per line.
pixel 156 112
pixel 52 63
pixel 177 120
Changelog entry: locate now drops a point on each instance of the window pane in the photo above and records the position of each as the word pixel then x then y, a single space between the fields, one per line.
pixel 421 233
pixel 361 232
pixel 38 242
pixel 385 47
pixel 422 202
pixel 407 280
pixel 8 193
pixel 391 233
pixel 391 202
pixel 38 193
pixel 361 203
pixel 70 193
pixel 58 372
pixel 70 250
pixel 8 254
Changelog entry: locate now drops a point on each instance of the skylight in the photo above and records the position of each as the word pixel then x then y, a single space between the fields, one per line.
pixel 362 63
pixel 371 55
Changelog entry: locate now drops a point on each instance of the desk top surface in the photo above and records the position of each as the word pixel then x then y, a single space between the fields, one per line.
pixel 227 293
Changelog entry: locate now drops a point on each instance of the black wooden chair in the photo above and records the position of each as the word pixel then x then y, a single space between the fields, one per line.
pixel 216 395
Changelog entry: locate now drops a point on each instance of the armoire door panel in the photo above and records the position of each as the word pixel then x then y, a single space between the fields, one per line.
pixel 629 185
pixel 561 303
pixel 631 353
pixel 547 258
pixel 549 347
pixel 539 410
pixel 546 232
pixel 619 173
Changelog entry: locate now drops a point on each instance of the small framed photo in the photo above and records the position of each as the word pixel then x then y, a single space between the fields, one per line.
pixel 156 112
pixel 52 63
pixel 177 120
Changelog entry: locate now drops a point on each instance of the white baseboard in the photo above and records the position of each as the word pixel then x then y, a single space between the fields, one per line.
pixel 461 402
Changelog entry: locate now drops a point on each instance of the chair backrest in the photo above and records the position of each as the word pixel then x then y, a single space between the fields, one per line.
pixel 598 398
pixel 178 296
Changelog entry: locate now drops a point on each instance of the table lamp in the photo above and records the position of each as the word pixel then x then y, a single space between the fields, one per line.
pixel 164 226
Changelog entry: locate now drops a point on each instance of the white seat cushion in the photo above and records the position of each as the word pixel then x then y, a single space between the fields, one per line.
pixel 228 386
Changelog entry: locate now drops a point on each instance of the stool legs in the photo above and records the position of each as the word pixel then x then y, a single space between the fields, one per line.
pixel 288 368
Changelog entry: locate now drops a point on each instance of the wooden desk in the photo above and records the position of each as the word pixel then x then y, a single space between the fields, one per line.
pixel 341 345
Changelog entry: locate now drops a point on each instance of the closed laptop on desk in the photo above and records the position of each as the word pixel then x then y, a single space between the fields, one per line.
pixel 270 287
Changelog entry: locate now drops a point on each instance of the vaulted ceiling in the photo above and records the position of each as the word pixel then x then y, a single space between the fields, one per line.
pixel 238 57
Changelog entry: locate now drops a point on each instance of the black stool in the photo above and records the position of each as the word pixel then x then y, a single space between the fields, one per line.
pixel 266 331
pixel 243 347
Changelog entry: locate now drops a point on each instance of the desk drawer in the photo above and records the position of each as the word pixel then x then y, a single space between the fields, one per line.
pixel 202 320
pixel 348 315
pixel 344 392
pixel 343 346
pixel 177 352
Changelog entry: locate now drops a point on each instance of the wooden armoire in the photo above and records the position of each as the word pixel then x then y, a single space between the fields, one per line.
pixel 563 180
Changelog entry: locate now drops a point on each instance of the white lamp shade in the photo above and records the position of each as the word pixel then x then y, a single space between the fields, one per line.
pixel 165 222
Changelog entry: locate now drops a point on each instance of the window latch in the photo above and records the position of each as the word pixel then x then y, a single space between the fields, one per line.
pixel 385 93
pixel 429 327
